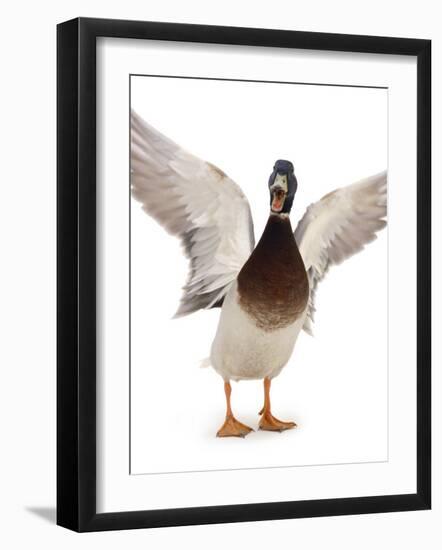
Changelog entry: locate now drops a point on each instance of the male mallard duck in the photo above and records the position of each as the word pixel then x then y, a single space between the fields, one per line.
pixel 266 293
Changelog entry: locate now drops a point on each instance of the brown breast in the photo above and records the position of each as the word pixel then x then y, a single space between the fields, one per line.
pixel 272 285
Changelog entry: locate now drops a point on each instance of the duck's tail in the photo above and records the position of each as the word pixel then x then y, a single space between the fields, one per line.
pixel 205 363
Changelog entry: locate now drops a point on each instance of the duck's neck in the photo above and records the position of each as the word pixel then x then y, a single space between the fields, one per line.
pixel 278 232
pixel 276 249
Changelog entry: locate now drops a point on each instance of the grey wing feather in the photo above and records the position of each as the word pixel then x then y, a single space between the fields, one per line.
pixel 338 226
pixel 197 202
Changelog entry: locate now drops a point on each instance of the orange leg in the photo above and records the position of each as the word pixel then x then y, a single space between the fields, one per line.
pixel 231 426
pixel 268 421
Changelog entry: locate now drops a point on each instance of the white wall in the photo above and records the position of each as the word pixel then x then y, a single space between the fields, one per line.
pixel 27 290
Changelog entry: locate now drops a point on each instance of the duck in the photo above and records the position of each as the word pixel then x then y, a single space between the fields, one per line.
pixel 265 291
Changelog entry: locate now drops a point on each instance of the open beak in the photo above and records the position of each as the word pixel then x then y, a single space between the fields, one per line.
pixel 278 198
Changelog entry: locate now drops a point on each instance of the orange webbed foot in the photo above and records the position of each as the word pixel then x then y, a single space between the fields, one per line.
pixel 270 423
pixel 233 428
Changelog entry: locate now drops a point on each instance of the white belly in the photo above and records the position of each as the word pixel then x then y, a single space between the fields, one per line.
pixel 242 351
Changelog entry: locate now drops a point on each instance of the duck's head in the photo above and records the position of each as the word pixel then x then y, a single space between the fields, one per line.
pixel 282 187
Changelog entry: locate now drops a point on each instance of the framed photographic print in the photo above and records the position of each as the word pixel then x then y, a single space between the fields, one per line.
pixel 257 203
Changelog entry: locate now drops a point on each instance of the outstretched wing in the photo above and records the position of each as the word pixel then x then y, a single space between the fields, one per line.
pixel 197 202
pixel 338 226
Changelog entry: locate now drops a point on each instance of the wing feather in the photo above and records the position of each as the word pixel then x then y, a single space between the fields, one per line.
pixel 338 226
pixel 197 202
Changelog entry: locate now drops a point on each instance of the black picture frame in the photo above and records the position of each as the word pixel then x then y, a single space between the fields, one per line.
pixel 76 273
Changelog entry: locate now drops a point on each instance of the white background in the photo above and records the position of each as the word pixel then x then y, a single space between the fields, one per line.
pixel 118 491
pixel 28 277
pixel 335 385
